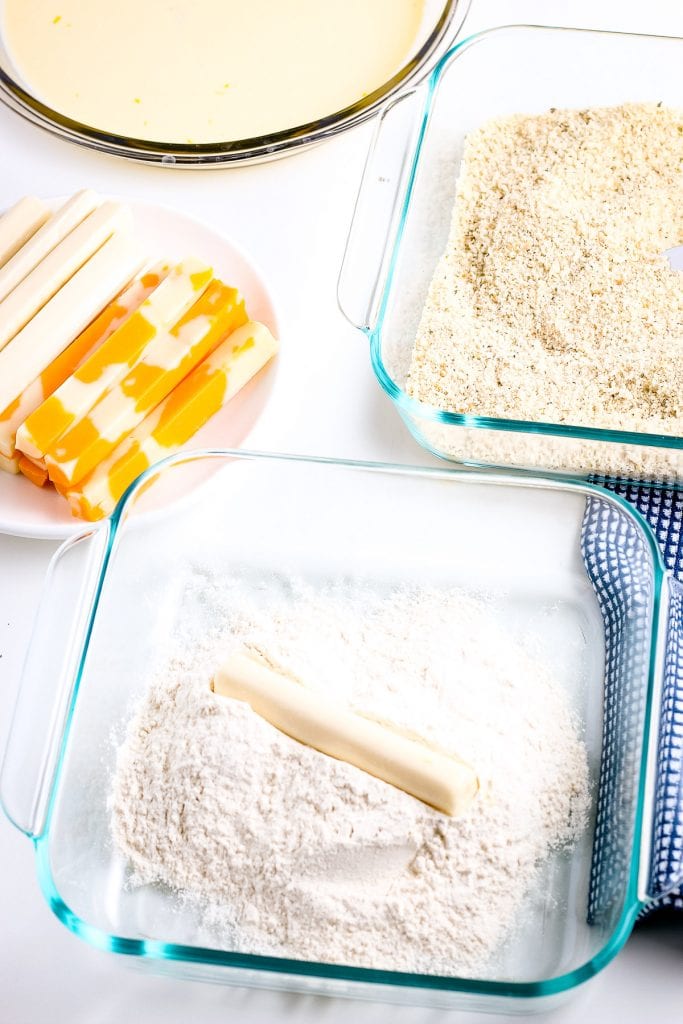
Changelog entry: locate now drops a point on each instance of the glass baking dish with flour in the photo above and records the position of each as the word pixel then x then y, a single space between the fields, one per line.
pixel 567 565
pixel 403 216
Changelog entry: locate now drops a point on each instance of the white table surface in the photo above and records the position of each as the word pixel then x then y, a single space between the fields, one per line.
pixel 292 216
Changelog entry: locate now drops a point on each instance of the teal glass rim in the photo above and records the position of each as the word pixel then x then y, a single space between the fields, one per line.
pixel 156 950
pixel 412 407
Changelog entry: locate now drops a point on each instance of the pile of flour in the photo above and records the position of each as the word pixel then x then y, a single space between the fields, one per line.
pixel 289 852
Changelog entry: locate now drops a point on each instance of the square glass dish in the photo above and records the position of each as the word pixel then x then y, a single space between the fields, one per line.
pixel 573 569
pixel 403 215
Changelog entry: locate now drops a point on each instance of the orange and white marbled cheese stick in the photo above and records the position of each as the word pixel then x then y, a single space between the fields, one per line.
pixel 32 471
pixel 175 420
pixel 112 360
pixel 101 328
pixel 163 363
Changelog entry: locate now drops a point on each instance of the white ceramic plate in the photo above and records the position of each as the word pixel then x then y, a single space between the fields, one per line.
pixel 30 511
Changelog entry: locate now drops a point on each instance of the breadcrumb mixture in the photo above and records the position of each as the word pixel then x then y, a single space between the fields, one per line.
pixel 553 300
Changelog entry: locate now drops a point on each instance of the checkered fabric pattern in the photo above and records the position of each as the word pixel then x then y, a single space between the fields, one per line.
pixel 619 592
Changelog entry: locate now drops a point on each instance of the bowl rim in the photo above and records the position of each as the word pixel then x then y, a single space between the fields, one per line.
pixel 413 408
pixel 250 149
pixel 159 951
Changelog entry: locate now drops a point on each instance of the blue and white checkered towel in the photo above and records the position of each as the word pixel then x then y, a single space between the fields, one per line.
pixel 663 509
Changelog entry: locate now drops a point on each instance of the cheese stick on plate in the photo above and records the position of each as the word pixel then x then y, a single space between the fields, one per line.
pixel 179 290
pixel 56 228
pixel 163 363
pixel 67 314
pixel 101 328
pixel 9 465
pixel 19 223
pixel 33 472
pixel 45 280
pixel 189 406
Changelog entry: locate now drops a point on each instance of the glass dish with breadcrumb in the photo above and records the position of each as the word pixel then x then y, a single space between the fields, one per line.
pixel 516 254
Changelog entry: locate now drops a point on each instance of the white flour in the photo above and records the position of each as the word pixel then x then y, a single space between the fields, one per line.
pixel 292 853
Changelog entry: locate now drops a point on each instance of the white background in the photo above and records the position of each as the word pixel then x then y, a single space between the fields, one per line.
pixel 292 216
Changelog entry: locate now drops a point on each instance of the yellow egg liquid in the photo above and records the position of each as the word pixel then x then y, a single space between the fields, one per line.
pixel 194 71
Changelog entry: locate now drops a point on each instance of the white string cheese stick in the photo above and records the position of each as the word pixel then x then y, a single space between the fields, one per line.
pixel 45 239
pixel 19 223
pixel 58 267
pixel 67 314
pixel 312 718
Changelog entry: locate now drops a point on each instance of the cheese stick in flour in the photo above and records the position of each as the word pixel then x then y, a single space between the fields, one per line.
pixel 444 782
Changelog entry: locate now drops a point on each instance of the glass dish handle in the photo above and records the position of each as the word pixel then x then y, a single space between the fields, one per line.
pixel 48 678
pixel 377 216
pixel 666 856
